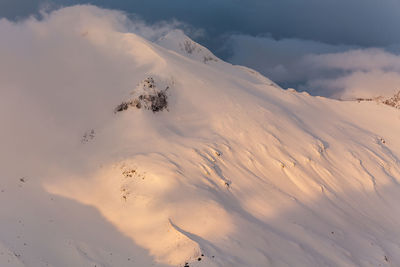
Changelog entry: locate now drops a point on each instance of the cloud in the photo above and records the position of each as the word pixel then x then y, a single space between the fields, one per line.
pixel 354 22
pixel 361 73
pixel 323 47
pixel 61 76
pixel 277 59
pixel 320 47
pixel 338 71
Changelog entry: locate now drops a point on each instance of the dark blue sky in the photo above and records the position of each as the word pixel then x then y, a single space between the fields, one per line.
pixel 356 22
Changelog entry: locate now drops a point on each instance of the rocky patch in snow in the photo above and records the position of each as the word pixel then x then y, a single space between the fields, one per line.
pixel 88 136
pixel 147 96
pixel 393 101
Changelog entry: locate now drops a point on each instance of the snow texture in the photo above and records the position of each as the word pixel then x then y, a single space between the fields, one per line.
pixel 237 171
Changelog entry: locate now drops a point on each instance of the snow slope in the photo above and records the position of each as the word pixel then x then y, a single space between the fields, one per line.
pixel 234 171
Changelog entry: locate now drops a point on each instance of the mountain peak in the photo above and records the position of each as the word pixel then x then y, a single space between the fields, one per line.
pixel 177 41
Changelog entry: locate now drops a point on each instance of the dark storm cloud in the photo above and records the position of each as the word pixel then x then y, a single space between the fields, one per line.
pixel 338 71
pixel 358 22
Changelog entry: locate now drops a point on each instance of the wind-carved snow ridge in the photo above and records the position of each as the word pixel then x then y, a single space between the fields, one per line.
pixel 237 173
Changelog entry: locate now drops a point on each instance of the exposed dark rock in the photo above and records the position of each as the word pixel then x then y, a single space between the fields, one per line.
pixel 148 96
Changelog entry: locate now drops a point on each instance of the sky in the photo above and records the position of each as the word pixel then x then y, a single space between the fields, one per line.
pixel 294 42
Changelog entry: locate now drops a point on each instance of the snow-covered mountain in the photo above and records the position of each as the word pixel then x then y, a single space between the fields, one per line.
pixel 117 151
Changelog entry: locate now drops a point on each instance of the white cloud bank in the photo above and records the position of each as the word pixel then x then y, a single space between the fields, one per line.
pixel 46 63
pixel 337 71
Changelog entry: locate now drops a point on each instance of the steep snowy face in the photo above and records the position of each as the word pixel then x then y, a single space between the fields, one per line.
pixel 134 153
